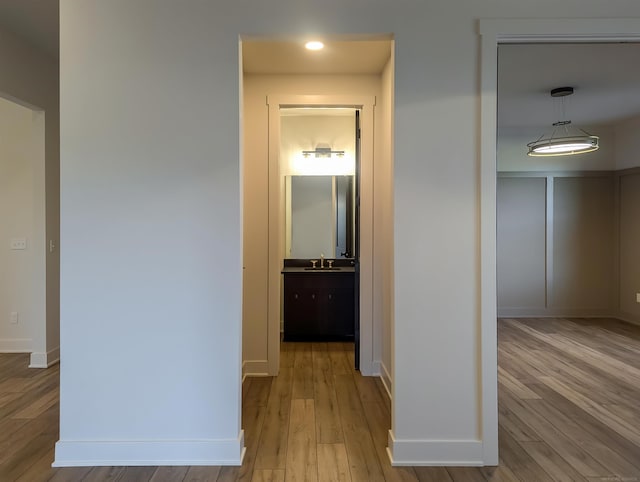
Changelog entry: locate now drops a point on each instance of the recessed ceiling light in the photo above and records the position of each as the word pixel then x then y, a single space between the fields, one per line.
pixel 314 45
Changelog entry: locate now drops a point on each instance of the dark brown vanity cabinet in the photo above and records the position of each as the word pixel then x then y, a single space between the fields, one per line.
pixel 319 305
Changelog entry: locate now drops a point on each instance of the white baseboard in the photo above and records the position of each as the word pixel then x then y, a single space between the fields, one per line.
pixel 367 368
pixel 554 313
pixel 149 452
pixel 450 453
pixel 15 345
pixel 45 360
pixel 255 368
pixel 386 380
pixel 629 317
pixel 567 313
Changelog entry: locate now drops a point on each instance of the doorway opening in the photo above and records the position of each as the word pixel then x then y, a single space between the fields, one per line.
pixel 358 121
pixel 280 76
pixel 320 166
pixel 560 274
pixel 495 33
pixel 22 228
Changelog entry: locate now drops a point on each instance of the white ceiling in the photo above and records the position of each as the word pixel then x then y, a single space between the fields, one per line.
pixel 337 57
pixel 606 77
pixel 36 21
pixel 318 111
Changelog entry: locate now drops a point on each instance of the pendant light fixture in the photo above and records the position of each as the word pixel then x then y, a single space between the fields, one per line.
pixel 565 139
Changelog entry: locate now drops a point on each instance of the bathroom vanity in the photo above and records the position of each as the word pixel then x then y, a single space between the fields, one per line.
pixel 319 303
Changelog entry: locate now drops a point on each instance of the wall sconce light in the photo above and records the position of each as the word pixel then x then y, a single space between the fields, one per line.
pixel 322 152
pixel 565 138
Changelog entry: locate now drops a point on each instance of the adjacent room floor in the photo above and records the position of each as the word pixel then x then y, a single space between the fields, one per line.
pixel 569 407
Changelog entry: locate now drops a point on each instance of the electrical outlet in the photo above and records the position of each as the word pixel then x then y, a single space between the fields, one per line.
pixel 18 243
pixel 13 318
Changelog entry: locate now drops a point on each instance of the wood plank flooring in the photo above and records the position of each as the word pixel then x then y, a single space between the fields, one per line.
pixel 569 410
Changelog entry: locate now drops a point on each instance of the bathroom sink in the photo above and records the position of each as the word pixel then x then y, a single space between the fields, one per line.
pixel 322 269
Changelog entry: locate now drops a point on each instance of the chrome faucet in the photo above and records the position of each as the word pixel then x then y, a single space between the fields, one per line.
pixel 321 260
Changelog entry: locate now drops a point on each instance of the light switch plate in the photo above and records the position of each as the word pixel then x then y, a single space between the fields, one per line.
pixel 637 297
pixel 13 317
pixel 18 243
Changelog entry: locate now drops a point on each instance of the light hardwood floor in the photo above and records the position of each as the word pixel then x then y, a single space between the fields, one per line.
pixel 569 393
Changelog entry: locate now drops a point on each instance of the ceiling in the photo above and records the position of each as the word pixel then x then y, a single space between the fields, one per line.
pixel 606 77
pixel 36 21
pixel 337 57
pixel 317 111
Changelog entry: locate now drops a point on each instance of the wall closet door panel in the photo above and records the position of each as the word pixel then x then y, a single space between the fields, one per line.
pixel 583 243
pixel 521 218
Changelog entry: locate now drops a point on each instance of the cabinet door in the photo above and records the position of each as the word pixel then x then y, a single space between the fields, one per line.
pixel 301 306
pixel 339 316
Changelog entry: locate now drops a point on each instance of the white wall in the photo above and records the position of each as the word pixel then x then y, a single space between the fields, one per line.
pixel 627 154
pixel 21 272
pixel 582 246
pixel 30 77
pixel 151 236
pixel 555 244
pixel 629 229
pixel 628 158
pixel 521 244
pixel 383 229
pixel 150 161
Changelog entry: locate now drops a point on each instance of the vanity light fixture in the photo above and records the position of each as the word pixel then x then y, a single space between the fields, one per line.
pixel 323 152
pixel 565 139
pixel 314 45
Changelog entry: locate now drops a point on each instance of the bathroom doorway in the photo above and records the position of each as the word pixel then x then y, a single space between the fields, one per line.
pixel 277 75
pixel 286 156
pixel 319 164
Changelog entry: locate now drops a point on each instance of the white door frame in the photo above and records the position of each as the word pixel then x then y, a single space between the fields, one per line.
pixel 494 32
pixel 366 105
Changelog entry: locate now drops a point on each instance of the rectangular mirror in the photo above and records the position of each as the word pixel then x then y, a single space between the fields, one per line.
pixel 319 216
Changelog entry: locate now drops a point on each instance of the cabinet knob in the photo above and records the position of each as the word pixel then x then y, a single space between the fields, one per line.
pixel 313 296
pixel 329 296
pixel 295 296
